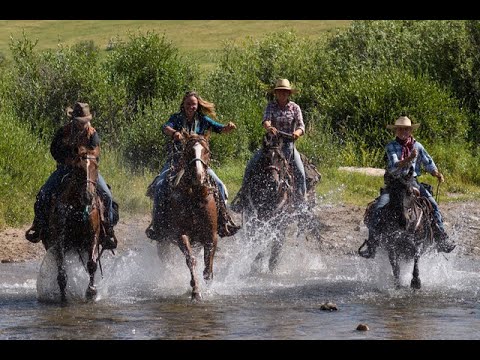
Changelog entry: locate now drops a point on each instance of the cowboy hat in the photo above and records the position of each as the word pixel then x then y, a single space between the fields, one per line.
pixel 283 84
pixel 80 111
pixel 403 121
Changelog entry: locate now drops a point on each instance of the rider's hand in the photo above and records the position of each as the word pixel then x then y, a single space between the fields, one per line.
pixel 177 136
pixel 297 133
pixel 414 154
pixel 272 129
pixel 229 127
pixel 438 175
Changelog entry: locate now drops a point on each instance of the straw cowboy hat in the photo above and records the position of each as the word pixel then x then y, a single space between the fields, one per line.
pixel 284 84
pixel 80 112
pixel 403 121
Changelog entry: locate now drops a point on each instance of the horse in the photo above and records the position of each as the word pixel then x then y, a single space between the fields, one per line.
pixel 269 196
pixel 405 227
pixel 191 218
pixel 76 218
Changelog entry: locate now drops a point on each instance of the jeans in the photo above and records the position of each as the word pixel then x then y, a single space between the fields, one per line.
pixel 297 164
pixel 160 185
pixel 44 196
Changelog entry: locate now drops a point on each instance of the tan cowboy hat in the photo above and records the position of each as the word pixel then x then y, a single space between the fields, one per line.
pixel 80 111
pixel 403 121
pixel 284 84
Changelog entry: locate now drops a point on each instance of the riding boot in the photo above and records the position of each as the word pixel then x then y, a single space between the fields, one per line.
pixel 238 201
pixel 370 250
pixel 152 230
pixel 371 244
pixel 226 226
pixel 157 225
pixel 109 240
pixel 36 232
pixel 444 243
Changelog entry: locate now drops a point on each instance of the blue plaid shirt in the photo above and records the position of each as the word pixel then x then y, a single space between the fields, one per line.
pixel 394 153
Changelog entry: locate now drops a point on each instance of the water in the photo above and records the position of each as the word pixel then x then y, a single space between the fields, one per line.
pixel 145 296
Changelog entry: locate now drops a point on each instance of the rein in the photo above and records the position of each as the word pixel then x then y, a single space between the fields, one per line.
pixel 198 159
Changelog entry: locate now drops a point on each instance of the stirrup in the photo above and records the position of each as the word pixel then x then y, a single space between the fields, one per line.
pixel 109 241
pixel 228 229
pixel 368 252
pixel 446 246
pixel 151 233
pixel 33 234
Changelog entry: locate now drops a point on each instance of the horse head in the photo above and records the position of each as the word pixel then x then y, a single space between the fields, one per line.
pixel 400 185
pixel 272 180
pixel 85 172
pixel 195 159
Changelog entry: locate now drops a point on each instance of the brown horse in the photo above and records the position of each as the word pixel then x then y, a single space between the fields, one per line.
pixel 405 226
pixel 76 217
pixel 191 217
pixel 269 196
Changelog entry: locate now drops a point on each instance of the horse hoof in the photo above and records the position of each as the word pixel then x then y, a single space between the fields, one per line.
pixel 196 296
pixel 208 277
pixel 91 292
pixel 416 284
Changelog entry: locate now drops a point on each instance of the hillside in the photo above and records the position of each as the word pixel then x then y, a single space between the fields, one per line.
pixel 199 38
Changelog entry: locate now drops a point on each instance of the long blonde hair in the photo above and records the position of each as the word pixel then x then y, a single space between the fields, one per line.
pixel 204 107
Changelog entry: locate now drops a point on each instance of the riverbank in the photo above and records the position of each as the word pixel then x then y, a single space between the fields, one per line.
pixel 344 232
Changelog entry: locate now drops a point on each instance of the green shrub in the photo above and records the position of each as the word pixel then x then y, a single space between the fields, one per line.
pixel 25 164
pixel 148 66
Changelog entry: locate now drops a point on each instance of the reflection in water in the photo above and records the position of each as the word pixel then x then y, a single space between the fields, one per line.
pixel 143 296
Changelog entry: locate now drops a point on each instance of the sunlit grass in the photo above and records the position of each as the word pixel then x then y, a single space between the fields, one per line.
pixel 201 39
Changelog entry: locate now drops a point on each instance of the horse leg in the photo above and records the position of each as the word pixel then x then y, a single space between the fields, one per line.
pixel 208 254
pixel 393 257
pixel 277 246
pixel 416 283
pixel 91 291
pixel 61 272
pixel 186 248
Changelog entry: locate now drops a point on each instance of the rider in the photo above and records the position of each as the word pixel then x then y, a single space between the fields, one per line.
pixel 62 150
pixel 403 153
pixel 195 117
pixel 281 116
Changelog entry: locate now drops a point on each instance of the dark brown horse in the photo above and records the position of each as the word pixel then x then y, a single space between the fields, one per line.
pixel 268 196
pixel 191 217
pixel 405 226
pixel 75 218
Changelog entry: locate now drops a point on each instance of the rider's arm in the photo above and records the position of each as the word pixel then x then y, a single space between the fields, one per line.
pixel 217 127
pixel 299 124
pixel 169 131
pixel 428 163
pixel 58 149
pixel 169 127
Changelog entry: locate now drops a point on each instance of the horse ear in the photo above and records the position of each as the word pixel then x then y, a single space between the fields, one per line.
pixel 207 135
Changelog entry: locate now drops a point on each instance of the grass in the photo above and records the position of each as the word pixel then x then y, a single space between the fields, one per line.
pixel 197 38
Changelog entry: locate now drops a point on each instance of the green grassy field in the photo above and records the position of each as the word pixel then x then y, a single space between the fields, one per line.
pixel 198 38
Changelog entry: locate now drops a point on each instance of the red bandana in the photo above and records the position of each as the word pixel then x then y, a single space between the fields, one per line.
pixel 407 146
